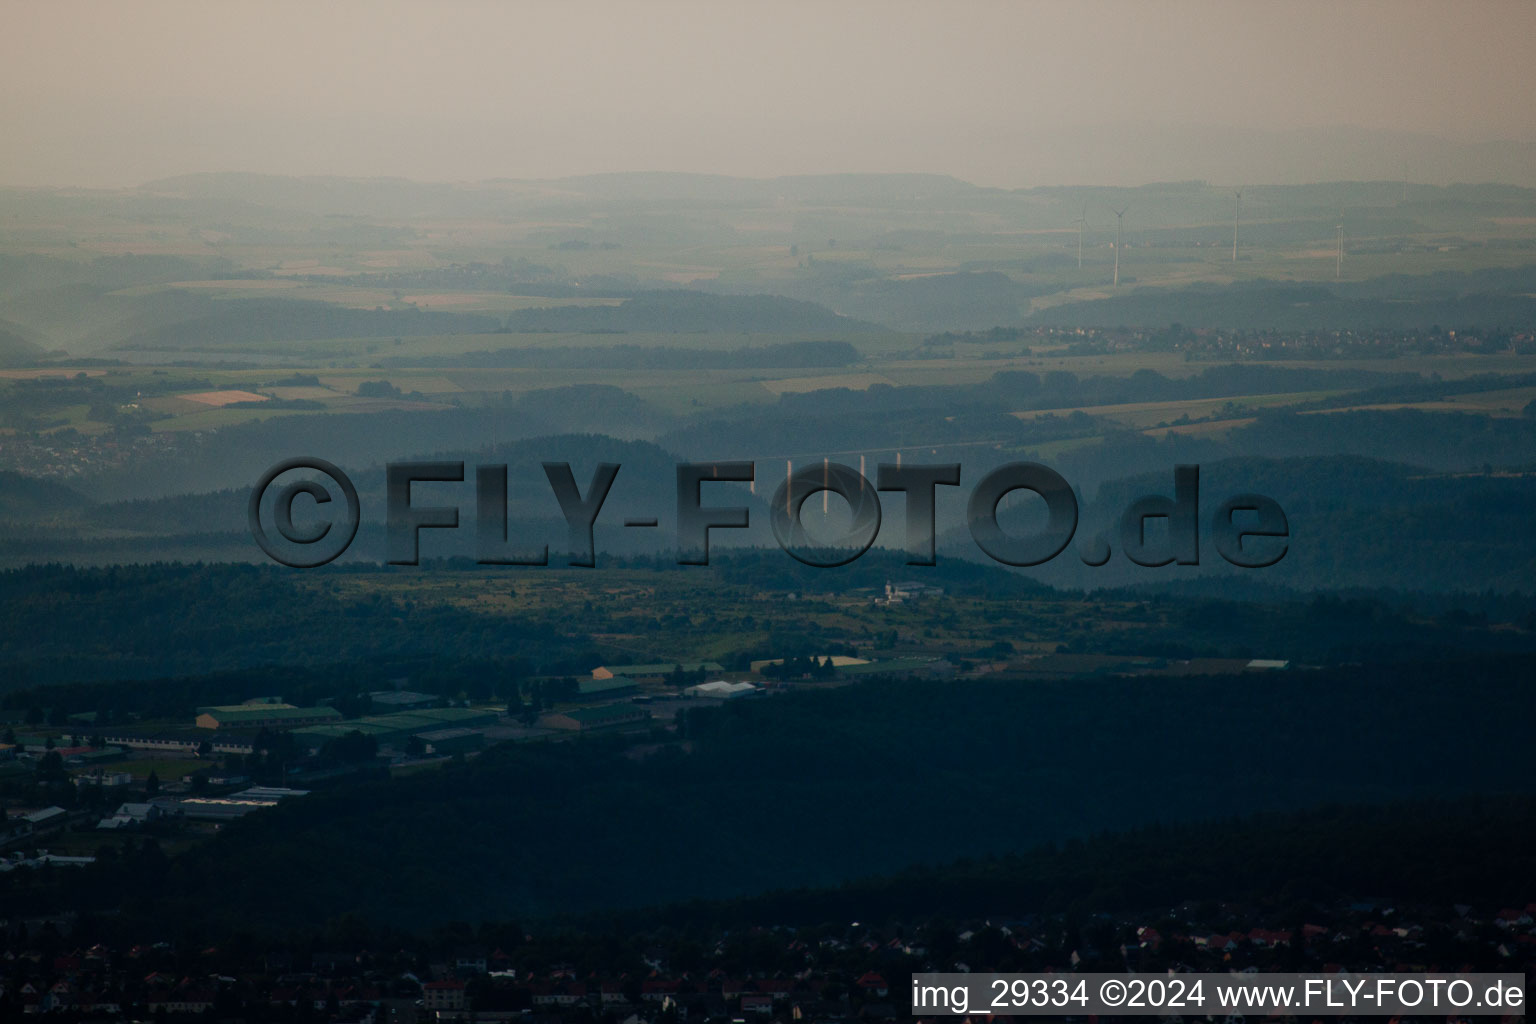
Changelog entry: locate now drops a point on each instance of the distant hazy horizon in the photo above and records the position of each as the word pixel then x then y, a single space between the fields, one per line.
pixel 1005 95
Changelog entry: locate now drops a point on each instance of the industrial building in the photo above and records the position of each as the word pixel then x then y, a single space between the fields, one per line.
pixel 602 689
pixel 590 719
pixel 722 689
pixel 236 805
pixel 180 742
pixel 397 727
pixel 262 716
pixel 384 701
pixel 658 670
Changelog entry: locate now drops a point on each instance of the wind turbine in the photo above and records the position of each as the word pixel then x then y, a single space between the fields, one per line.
pixel 1338 253
pixel 1237 219
pixel 1081 220
pixel 1119 222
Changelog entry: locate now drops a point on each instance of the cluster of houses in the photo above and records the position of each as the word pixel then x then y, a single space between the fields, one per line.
pixel 909 590
pixel 405 723
pixel 826 974
pixel 407 727
pixel 25 831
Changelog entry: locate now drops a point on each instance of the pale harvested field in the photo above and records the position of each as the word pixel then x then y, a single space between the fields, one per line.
pixel 171 405
pixel 356 403
pixel 355 297
pixel 1149 414
pixel 312 267
pixel 222 398
pixel 445 299
pixel 800 385
pixel 1209 428
pixel 255 285
pixel 1386 407
pixel 395 258
pixel 38 374
pixel 1507 402
pixel 406 381
pixel 155 247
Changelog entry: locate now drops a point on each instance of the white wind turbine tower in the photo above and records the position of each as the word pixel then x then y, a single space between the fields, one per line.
pixel 1081 220
pixel 1237 219
pixel 1119 222
pixel 1338 252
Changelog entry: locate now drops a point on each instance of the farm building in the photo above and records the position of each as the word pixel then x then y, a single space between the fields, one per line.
pixel 402 700
pixel 397 727
pixel 589 719
pixel 658 670
pixel 262 716
pixel 602 689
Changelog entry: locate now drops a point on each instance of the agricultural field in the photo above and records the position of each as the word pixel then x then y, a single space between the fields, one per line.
pixel 206 315
pixel 220 395
pixel 1503 403
pixel 1158 414
pixel 741 615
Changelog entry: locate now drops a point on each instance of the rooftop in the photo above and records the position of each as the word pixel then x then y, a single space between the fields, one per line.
pixel 402 697
pixel 608 713
pixel 594 687
pixel 439 735
pixel 662 668
pixel 720 688
pixel 401 723
pixel 237 713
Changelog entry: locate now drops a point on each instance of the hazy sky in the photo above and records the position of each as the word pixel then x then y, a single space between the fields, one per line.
pixel 997 93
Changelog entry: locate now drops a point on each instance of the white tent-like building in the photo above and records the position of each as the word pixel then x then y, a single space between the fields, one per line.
pixel 722 689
